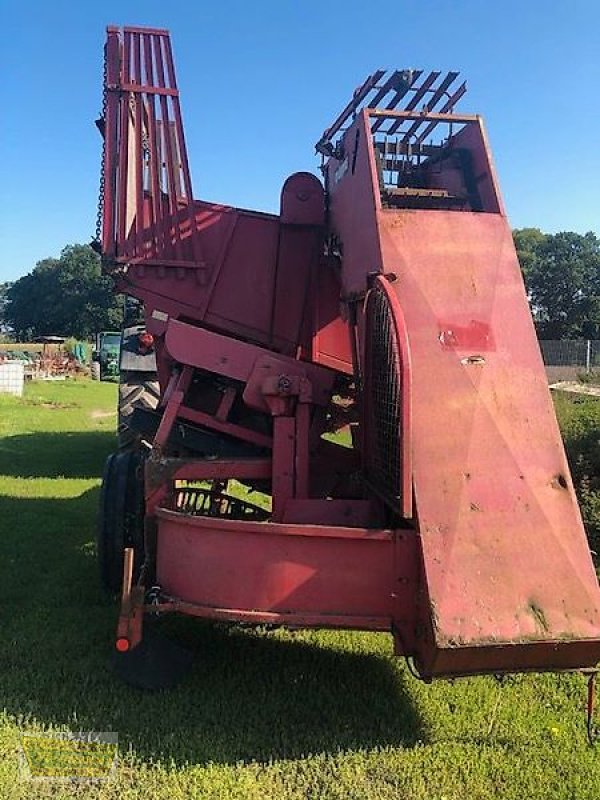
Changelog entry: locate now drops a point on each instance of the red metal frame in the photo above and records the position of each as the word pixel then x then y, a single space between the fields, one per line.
pixel 260 329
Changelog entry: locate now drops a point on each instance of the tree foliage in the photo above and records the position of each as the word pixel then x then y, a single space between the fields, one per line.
pixel 67 296
pixel 4 325
pixel 70 296
pixel 562 275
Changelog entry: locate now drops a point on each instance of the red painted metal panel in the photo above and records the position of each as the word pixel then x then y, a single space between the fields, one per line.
pixel 332 336
pixel 240 360
pixel 515 656
pixel 276 568
pixel 293 300
pixel 254 244
pixel 173 400
pixel 498 521
pixel 284 474
pixel 353 202
pixel 302 454
pixel 504 551
pixel 474 139
pixel 329 512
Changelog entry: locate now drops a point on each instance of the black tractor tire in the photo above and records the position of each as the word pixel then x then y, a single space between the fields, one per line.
pixel 95 370
pixel 121 517
pixel 135 389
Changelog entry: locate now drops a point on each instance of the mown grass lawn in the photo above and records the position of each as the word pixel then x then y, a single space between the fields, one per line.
pixel 264 714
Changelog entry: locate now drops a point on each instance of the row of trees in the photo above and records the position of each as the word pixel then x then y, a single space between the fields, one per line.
pixel 70 296
pixel 562 276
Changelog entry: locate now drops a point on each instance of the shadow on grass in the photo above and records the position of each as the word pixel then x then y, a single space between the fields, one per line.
pixel 251 694
pixel 69 454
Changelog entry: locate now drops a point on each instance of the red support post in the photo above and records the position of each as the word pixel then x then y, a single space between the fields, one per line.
pixel 172 408
pixel 284 457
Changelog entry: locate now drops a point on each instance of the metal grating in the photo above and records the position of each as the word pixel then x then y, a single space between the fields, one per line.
pixel 403 90
pixel 146 196
pixel 383 400
pixel 203 502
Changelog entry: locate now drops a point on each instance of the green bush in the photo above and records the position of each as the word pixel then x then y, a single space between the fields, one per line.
pixel 591 378
pixel 579 419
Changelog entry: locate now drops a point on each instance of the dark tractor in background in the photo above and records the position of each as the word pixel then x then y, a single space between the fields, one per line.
pixel 138 382
pixel 105 356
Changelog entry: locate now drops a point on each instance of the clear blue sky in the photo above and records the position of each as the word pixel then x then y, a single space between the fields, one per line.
pixel 261 79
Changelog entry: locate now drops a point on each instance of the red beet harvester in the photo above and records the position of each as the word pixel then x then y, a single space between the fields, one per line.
pixel 386 305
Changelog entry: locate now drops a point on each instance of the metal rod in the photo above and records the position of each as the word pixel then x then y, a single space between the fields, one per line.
pixel 122 211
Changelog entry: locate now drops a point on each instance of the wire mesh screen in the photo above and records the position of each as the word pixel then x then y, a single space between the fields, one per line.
pixel 383 400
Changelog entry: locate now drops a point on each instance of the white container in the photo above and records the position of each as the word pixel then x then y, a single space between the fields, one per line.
pixel 12 376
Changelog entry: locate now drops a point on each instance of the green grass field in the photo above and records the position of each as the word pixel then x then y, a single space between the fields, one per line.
pixel 264 714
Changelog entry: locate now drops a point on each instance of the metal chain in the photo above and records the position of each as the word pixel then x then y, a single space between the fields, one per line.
pixel 101 189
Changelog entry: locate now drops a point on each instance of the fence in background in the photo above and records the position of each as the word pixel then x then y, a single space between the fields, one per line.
pixel 583 354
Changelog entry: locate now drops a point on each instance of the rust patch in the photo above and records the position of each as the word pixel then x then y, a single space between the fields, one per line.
pixel 537 612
